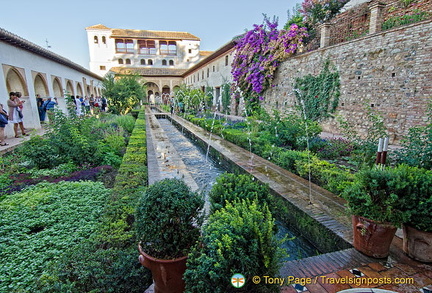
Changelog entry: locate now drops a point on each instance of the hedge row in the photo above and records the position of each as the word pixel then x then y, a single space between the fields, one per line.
pixel 325 174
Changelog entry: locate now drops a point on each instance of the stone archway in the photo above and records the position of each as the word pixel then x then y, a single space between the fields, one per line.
pixel 40 86
pixel 15 82
pixel 79 90
pixel 152 88
pixel 69 88
pixel 166 92
pixel 57 88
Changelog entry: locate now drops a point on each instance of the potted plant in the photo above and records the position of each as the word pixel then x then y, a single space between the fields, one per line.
pixel 168 220
pixel 372 202
pixel 415 199
pixel 238 242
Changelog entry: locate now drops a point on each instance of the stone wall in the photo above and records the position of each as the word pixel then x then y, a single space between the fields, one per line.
pixel 389 71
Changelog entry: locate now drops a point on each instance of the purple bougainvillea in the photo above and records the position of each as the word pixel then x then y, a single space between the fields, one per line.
pixel 258 54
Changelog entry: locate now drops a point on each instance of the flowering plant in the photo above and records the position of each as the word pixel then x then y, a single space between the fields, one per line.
pixel 258 54
pixel 320 11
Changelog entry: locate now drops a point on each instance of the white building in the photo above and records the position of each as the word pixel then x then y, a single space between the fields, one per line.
pixel 31 69
pixel 160 57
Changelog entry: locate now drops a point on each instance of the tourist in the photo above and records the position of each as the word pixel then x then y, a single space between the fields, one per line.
pixel 78 106
pixel 87 105
pixel 39 103
pixel 104 104
pixel 3 122
pixel 15 114
pixel 97 104
pixel 48 106
pixel 20 108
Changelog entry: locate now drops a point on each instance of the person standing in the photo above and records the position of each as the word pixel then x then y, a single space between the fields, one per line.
pixel 3 125
pixel 87 105
pixel 15 115
pixel 20 109
pixel 48 106
pixel 39 102
pixel 104 104
pixel 78 106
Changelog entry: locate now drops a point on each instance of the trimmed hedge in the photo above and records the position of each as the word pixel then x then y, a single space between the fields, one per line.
pixel 325 174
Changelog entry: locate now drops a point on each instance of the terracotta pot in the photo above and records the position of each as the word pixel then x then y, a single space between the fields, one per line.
pixel 167 274
pixel 417 244
pixel 372 238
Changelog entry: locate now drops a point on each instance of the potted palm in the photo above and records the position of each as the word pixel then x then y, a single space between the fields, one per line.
pixel 168 220
pixel 375 216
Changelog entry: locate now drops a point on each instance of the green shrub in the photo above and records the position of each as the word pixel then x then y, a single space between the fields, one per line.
pixel 127 122
pixel 288 159
pixel 325 174
pixel 39 225
pixel 168 219
pixel 417 145
pixel 231 188
pixel 39 152
pixel 238 238
pixel 413 187
pixel 413 17
pixel 372 195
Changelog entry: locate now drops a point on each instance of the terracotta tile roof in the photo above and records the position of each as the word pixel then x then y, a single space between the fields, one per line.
pixel 206 53
pixel 149 71
pixel 153 34
pixel 98 26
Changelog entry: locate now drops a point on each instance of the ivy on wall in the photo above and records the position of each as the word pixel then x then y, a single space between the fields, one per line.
pixel 318 96
pixel 226 97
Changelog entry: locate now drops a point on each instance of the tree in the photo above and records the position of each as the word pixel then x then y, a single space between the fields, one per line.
pixel 123 93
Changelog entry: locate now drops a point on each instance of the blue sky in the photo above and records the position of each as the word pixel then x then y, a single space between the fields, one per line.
pixel 63 23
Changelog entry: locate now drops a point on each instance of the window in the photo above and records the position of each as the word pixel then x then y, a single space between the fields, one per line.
pixel 171 62
pixel 190 51
pixel 128 61
pixel 102 67
pixel 150 62
pixel 104 39
pixel 124 46
pixel 95 39
pixel 143 62
pixel 208 72
pixel 147 47
pixel 164 62
pixel 168 47
pixel 202 74
pixel 120 61
pixel 214 68
pixel 226 60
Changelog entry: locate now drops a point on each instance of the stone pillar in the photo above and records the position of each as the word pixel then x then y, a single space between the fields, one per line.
pixel 325 34
pixel 376 16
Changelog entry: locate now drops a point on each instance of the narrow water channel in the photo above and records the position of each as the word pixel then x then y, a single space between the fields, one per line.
pixel 205 171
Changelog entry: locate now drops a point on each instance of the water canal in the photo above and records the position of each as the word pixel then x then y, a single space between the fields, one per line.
pixel 204 171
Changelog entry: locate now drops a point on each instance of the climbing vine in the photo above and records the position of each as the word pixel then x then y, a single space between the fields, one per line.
pixel 258 54
pixel 318 96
